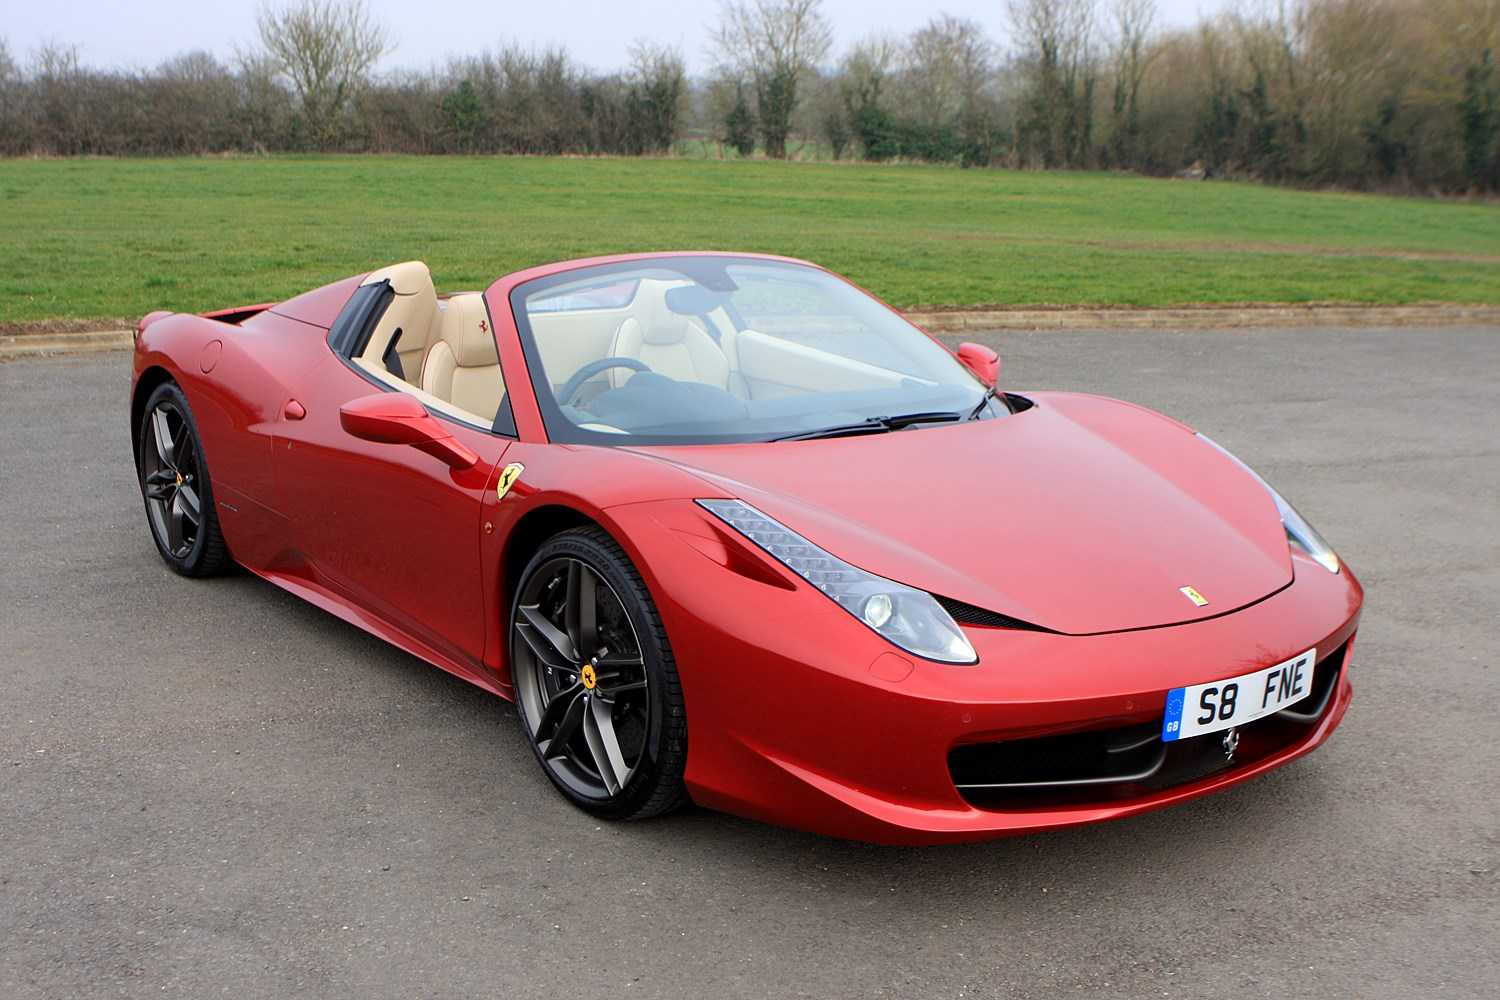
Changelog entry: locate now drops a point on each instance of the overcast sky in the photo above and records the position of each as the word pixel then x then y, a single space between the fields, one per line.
pixel 139 33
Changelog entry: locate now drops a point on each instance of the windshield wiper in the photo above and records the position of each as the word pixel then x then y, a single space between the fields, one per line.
pixel 991 394
pixel 876 425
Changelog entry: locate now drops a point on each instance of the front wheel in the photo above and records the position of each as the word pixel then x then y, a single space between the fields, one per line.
pixel 175 486
pixel 596 685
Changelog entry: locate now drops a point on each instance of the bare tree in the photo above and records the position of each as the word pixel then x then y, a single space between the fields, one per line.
pixel 864 79
pixel 1057 38
pixel 56 61
pixel 1133 24
pixel 658 89
pixel 327 49
pixel 536 98
pixel 13 139
pixel 1458 69
pixel 715 105
pixel 1354 77
pixel 947 65
pixel 61 101
pixel 775 44
pixel 1363 93
pixel 10 77
pixel 866 69
pixel 829 119
pixel 193 99
pixel 264 105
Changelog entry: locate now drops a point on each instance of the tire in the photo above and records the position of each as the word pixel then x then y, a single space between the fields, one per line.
pixel 175 487
pixel 618 709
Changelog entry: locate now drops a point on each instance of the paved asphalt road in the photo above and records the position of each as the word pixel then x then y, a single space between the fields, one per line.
pixel 212 789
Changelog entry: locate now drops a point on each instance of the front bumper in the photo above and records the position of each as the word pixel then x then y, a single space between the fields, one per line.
pixel 800 716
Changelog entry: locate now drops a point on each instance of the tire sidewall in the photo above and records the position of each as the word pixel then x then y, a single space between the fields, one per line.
pixel 629 588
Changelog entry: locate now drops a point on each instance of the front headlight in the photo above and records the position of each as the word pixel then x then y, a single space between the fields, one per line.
pixel 908 617
pixel 1298 531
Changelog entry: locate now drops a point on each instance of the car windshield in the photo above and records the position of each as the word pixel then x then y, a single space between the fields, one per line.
pixel 719 349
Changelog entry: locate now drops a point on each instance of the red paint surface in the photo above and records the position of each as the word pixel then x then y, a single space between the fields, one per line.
pixel 1083 515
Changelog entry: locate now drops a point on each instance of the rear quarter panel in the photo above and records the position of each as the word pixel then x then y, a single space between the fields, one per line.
pixel 237 379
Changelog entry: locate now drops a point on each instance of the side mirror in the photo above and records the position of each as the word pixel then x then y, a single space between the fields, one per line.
pixel 982 361
pixel 396 418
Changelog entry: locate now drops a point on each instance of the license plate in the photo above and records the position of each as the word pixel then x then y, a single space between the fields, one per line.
pixel 1208 708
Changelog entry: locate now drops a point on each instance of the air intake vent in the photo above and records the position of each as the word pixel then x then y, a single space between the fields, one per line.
pixel 968 614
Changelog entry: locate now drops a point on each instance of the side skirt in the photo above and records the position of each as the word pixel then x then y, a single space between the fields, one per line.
pixel 337 606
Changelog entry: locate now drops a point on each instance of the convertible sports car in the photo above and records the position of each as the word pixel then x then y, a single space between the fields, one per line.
pixel 729 529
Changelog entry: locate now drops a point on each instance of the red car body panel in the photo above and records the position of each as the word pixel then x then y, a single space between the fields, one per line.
pixel 873 767
pixel 960 513
pixel 798 714
pixel 321 306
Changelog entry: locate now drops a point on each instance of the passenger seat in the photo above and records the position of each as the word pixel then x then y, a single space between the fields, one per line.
pixel 462 366
pixel 410 320
pixel 670 344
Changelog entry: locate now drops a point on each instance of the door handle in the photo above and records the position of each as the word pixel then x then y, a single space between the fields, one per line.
pixel 293 410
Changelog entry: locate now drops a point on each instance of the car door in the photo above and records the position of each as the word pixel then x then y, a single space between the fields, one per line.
pixel 391 528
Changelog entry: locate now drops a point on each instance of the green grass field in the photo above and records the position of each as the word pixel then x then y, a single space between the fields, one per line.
pixel 101 240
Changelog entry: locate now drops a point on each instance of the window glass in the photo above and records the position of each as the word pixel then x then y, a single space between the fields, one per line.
pixel 711 349
pixel 611 296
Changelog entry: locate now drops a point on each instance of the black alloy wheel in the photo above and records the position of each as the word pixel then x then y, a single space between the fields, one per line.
pixel 595 682
pixel 175 485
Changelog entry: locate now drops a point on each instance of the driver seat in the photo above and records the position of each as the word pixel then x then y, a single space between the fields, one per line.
pixel 463 367
pixel 668 343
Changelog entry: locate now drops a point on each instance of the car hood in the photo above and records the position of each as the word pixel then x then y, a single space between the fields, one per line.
pixel 1081 514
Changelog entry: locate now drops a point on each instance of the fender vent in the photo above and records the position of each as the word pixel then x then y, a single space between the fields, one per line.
pixel 968 614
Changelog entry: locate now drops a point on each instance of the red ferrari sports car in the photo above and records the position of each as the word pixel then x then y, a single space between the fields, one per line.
pixel 729 529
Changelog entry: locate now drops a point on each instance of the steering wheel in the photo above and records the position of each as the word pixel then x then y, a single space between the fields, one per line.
pixel 571 386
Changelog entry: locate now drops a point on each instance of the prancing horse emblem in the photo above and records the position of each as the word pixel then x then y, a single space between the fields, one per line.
pixel 1198 599
pixel 1230 742
pixel 508 477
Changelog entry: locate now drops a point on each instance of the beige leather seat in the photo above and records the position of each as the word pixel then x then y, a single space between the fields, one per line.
pixel 462 366
pixel 673 345
pixel 411 316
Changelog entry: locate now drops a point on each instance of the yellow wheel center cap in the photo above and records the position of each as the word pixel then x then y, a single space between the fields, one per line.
pixel 588 676
pixel 179 479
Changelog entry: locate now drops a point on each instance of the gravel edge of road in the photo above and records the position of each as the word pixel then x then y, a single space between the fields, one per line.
pixel 41 343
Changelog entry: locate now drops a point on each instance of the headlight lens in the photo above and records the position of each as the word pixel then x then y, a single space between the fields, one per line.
pixel 1298 531
pixel 908 617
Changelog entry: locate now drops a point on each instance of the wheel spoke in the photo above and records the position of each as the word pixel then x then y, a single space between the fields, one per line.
pixel 541 648
pixel 161 435
pixel 560 722
pixel 182 450
pixel 583 609
pixel 613 691
pixel 562 651
pixel 192 508
pixel 175 539
pixel 618 674
pixel 599 733
pixel 160 484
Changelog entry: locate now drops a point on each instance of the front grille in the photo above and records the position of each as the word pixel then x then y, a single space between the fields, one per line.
pixel 1125 761
pixel 968 614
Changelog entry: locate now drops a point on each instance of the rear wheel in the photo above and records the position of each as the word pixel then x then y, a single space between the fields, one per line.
pixel 596 685
pixel 176 488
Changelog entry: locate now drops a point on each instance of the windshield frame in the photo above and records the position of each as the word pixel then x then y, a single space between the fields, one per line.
pixel 560 429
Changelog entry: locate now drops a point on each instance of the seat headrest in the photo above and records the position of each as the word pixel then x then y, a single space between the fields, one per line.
pixel 660 325
pixel 466 331
pixel 410 278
